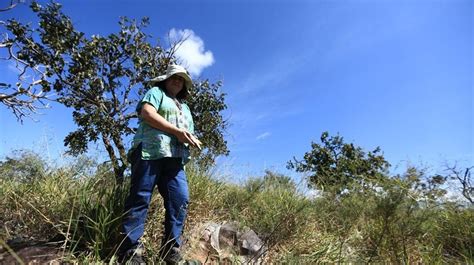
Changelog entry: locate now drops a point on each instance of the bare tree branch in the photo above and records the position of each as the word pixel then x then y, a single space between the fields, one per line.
pixel 24 102
pixel 175 44
pixel 11 6
pixel 464 178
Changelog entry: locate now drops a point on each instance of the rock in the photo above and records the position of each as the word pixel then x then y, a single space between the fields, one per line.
pixel 251 243
pixel 226 242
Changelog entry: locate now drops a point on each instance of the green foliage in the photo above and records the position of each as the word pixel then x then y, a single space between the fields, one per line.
pixel 336 166
pixel 39 209
pixel 102 78
pixel 453 228
pixel 269 205
pixel 206 193
pixel 23 166
pixel 207 102
pixel 274 215
pixel 270 181
pixel 86 212
pixel 394 226
pixel 97 219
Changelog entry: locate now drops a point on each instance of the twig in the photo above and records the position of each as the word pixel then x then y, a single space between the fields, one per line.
pixel 12 252
pixel 11 6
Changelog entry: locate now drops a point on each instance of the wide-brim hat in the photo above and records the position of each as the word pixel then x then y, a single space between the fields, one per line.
pixel 174 69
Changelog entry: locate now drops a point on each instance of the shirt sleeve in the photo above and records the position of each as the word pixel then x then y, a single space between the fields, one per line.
pixel 153 97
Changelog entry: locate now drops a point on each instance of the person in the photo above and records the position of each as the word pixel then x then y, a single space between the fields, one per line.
pixel 160 149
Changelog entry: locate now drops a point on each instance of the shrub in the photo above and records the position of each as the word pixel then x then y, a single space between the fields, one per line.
pixel 23 166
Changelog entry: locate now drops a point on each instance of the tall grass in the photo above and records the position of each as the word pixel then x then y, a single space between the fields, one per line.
pixel 83 213
pixel 386 227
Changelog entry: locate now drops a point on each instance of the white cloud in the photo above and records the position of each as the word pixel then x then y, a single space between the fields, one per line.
pixel 263 136
pixel 191 51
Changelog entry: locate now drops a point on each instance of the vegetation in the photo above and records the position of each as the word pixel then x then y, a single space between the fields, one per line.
pixel 337 167
pixel 406 219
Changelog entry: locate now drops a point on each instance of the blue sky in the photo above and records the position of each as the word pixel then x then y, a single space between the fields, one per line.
pixel 394 74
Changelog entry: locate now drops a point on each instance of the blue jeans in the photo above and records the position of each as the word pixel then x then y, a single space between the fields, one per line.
pixel 168 175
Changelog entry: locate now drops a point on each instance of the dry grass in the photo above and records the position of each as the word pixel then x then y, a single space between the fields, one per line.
pixel 86 211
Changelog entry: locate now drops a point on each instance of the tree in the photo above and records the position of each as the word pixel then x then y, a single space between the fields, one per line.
pixel 335 166
pixel 207 103
pixel 271 181
pixel 463 177
pixel 23 166
pixel 102 79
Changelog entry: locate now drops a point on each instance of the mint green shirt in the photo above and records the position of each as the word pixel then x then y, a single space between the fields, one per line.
pixel 157 144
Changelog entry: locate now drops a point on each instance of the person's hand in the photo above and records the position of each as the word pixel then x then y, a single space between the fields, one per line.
pixel 187 137
pixel 196 140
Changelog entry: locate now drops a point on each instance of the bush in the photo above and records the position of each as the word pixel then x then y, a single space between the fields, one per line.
pixel 453 232
pixel 85 212
pixel 23 166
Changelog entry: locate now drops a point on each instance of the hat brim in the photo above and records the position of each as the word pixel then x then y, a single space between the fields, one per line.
pixel 188 83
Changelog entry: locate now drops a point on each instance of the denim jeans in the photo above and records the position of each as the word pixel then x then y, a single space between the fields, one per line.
pixel 168 175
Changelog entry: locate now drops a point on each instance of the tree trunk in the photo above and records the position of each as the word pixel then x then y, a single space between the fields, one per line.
pixel 118 170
